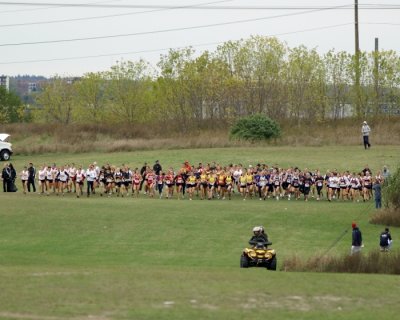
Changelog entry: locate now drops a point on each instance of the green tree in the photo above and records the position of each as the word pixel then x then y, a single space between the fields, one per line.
pixel 255 127
pixel 306 85
pixel 127 91
pixel 11 108
pixel 338 79
pixel 56 101
pixel 89 99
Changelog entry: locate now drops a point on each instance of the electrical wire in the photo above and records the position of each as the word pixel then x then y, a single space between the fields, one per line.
pixel 162 30
pixel 138 6
pixel 104 16
pixel 51 7
pixel 165 49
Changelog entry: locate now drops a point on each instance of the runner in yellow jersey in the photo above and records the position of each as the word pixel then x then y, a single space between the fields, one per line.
pixel 191 184
pixel 229 184
pixel 243 185
pixel 211 180
pixel 203 185
pixel 221 185
pixel 250 183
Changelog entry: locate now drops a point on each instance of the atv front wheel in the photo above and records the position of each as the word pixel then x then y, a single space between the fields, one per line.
pixel 244 262
pixel 272 264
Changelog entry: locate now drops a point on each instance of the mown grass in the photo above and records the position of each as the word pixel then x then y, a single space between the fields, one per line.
pixel 114 258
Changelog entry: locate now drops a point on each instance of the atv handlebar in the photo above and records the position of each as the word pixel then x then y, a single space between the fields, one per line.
pixel 264 243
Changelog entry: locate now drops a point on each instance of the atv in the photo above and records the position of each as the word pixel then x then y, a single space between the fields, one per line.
pixel 258 256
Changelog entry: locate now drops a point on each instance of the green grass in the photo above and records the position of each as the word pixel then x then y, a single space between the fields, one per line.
pixel 114 258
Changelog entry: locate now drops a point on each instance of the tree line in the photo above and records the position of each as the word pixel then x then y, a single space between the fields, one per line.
pixel 259 75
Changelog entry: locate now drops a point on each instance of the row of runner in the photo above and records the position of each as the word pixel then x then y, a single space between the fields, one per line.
pixel 206 182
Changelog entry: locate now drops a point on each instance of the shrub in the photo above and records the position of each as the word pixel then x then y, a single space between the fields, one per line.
pixel 390 216
pixel 391 190
pixel 373 262
pixel 255 127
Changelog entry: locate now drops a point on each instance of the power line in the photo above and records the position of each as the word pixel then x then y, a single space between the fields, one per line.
pixel 164 49
pixel 104 16
pixel 51 7
pixel 147 6
pixel 163 30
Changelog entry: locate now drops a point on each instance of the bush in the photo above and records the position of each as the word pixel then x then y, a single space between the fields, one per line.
pixel 390 216
pixel 391 191
pixel 255 127
pixel 373 262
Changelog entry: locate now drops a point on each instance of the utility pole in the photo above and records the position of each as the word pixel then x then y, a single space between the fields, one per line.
pixel 357 61
pixel 376 74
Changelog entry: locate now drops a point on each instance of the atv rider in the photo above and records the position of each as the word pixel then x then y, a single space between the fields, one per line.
pixel 259 236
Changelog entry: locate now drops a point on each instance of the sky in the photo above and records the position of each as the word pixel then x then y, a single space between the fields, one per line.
pixel 48 37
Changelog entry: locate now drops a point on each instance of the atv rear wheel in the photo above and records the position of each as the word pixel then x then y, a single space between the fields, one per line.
pixel 272 264
pixel 244 262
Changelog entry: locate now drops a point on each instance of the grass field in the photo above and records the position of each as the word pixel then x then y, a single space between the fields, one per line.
pixel 114 258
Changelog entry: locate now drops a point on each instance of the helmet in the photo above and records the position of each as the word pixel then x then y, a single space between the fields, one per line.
pixel 257 229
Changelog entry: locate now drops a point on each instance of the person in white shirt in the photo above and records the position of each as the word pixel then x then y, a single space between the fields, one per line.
pixel 24 178
pixel 62 180
pixel 365 130
pixel 79 179
pixel 91 176
pixel 42 179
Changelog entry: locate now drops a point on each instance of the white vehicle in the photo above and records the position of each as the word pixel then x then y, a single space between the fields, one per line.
pixel 5 147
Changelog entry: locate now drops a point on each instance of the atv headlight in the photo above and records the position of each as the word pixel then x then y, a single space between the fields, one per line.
pixel 268 255
pixel 252 254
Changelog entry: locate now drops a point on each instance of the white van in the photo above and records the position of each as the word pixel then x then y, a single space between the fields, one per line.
pixel 5 147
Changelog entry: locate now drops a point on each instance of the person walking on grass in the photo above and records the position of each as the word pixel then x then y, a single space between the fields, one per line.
pixel 365 130
pixel 356 243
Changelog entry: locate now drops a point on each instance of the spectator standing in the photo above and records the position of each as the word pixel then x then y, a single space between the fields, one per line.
pixel 6 177
pixel 377 194
pixel 365 130
pixel 385 240
pixel 157 168
pixel 356 243
pixel 31 177
pixel 385 174
pixel 12 187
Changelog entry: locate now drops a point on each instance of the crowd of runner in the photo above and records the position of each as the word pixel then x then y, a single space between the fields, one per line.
pixel 209 181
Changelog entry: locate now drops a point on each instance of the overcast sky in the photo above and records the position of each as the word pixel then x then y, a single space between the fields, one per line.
pixel 154 29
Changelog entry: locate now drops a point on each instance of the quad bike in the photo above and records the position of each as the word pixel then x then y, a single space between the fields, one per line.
pixel 258 256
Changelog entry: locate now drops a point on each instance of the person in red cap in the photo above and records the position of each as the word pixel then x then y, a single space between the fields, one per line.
pixel 356 243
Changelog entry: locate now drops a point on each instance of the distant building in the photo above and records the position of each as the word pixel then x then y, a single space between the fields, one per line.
pixel 5 82
pixel 32 87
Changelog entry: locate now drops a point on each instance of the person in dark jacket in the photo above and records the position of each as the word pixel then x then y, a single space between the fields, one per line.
pixel 385 240
pixel 259 236
pixel 6 177
pixel 143 174
pixel 157 167
pixel 356 243
pixel 31 177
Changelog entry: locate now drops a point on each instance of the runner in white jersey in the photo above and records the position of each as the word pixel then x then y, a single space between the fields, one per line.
pixel 354 187
pixel 72 178
pixel 24 175
pixel 91 176
pixel 344 185
pixel 42 174
pixel 62 180
pixel 54 171
pixel 333 186
pixel 237 172
pixel 79 179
